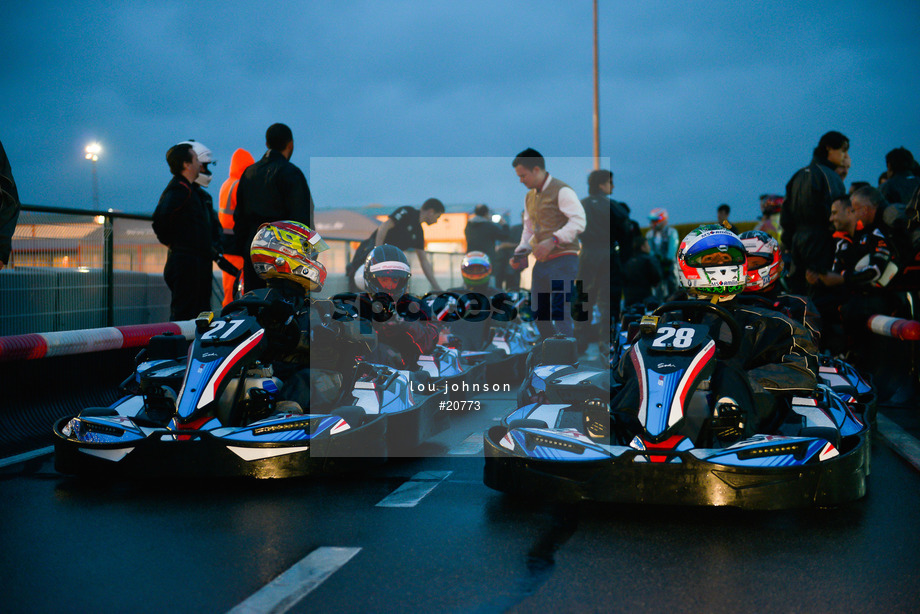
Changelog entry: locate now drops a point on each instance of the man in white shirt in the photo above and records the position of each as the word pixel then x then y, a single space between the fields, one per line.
pixel 553 219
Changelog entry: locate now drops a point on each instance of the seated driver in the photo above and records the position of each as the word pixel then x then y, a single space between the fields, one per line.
pixel 776 357
pixel 300 330
pixel 400 342
pixel 764 270
pixel 476 270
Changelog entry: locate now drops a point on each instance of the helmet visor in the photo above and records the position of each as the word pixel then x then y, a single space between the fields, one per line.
pixel 719 255
pixel 387 282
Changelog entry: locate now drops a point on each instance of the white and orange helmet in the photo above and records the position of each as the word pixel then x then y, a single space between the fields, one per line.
pixel 764 260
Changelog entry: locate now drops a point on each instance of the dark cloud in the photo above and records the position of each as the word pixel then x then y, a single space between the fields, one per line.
pixel 700 104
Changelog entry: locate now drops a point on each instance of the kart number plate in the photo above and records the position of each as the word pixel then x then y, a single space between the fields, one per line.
pixel 224 331
pixel 671 338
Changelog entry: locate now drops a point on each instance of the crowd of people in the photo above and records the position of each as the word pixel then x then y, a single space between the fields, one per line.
pixel 849 252
pixel 853 252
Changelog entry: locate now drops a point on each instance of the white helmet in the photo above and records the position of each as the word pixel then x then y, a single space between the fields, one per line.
pixel 204 156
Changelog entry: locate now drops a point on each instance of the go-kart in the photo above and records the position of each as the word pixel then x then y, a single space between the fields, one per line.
pixel 557 377
pixel 683 447
pixel 496 350
pixel 217 412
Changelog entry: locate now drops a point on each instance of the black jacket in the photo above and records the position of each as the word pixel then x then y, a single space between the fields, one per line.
pixel 900 188
pixel 272 189
pixel 9 207
pixel 482 235
pixel 805 217
pixel 185 220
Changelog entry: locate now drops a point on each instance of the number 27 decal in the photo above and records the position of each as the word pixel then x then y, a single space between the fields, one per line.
pixel 679 337
pixel 218 326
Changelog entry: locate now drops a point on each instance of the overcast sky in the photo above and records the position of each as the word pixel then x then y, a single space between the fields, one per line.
pixel 396 101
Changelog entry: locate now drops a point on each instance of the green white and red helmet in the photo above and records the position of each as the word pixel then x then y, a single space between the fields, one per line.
pixel 712 262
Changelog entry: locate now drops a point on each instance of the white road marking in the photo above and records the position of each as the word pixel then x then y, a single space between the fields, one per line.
pixel 413 491
pixel 900 440
pixel 21 458
pixel 285 591
pixel 470 446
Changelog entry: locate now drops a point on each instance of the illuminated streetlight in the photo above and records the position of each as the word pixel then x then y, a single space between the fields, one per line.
pixel 92 151
pixel 92 154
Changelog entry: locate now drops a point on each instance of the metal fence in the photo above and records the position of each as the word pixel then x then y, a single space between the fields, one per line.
pixel 72 269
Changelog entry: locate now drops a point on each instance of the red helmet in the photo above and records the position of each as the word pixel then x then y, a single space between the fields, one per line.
pixel 658 217
pixel 771 204
pixel 764 260
pixel 288 250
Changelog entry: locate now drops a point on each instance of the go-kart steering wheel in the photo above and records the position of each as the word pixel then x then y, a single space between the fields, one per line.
pixel 724 349
pixel 252 305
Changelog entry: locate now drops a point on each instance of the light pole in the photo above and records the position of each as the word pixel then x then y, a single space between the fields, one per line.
pixel 92 154
pixel 597 110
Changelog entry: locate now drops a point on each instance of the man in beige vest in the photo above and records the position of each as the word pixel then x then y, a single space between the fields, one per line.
pixel 553 219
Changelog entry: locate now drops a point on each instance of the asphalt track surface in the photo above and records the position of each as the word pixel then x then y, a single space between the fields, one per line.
pixel 425 535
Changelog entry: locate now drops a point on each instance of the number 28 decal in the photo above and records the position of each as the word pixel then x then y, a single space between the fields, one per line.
pixel 669 336
pixel 218 327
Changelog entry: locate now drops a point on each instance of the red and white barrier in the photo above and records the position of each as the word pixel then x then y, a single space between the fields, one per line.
pixel 899 328
pixel 41 345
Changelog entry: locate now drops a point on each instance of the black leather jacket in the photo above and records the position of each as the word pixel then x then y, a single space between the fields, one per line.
pixel 805 217
pixel 9 207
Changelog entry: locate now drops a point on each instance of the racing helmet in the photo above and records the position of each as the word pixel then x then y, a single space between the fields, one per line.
pixel 658 217
pixel 475 269
pixel 288 250
pixel 386 270
pixel 771 204
pixel 205 157
pixel 764 260
pixel 712 262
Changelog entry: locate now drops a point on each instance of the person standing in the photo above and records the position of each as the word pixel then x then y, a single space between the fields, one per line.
pixel 9 208
pixel 806 232
pixel 722 213
pixel 239 162
pixel 482 234
pixel 403 229
pixel 599 264
pixel 902 177
pixel 553 219
pixel 663 241
pixel 272 189
pixel 189 228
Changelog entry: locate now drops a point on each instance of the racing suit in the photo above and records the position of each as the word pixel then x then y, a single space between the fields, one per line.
pixel 313 354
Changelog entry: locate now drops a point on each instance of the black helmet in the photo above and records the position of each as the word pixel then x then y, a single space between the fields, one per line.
pixel 386 270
